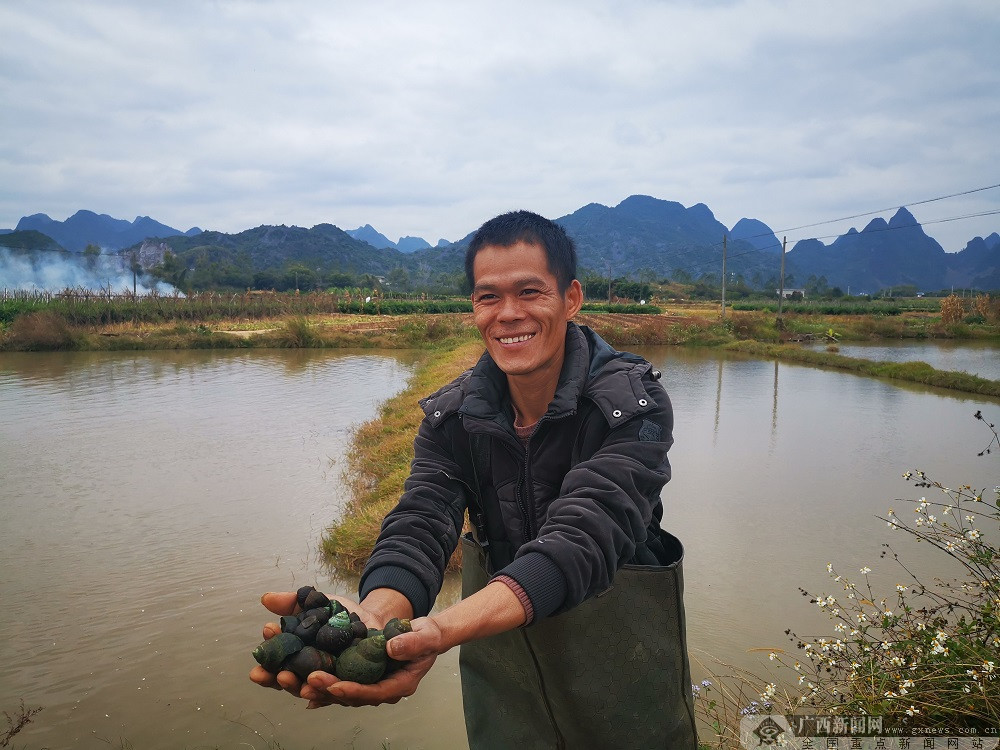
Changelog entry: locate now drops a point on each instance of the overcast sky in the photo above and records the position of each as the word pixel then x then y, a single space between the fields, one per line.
pixel 426 118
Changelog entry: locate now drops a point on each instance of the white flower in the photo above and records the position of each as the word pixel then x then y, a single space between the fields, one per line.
pixel 912 711
pixel 829 567
pixel 988 667
pixel 866 570
pixel 972 534
pixel 900 587
pixel 970 519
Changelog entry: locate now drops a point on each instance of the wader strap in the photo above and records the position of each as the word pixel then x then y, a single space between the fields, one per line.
pixel 485 511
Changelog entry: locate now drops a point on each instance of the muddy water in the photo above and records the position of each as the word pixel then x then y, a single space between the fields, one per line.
pixel 146 502
pixel 147 499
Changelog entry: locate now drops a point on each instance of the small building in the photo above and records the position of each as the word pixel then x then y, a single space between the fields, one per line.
pixel 791 293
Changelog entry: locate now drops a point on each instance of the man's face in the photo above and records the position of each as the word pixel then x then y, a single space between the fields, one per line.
pixel 519 310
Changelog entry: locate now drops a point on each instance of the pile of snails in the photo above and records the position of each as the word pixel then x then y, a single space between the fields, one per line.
pixel 325 637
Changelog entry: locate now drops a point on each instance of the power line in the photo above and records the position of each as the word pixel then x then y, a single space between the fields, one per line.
pixel 890 208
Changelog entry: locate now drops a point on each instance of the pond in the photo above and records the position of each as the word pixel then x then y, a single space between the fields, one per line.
pixel 149 499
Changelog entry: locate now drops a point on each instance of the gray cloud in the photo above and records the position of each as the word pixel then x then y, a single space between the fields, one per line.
pixel 424 119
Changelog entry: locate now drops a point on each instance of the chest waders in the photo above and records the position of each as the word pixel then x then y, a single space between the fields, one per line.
pixel 610 673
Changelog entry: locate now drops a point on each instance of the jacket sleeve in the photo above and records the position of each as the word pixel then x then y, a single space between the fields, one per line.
pixel 420 534
pixel 606 503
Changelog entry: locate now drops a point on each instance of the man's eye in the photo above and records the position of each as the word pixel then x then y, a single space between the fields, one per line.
pixel 529 292
pixel 485 297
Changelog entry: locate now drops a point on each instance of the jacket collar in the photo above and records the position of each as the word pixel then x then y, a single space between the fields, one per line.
pixel 487 396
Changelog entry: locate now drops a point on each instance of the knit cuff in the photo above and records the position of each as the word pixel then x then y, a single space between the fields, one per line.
pixel 542 581
pixel 398 579
pixel 514 586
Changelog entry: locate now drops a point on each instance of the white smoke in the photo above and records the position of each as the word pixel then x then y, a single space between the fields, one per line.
pixel 58 271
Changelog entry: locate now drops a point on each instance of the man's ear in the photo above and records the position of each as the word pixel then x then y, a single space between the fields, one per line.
pixel 574 299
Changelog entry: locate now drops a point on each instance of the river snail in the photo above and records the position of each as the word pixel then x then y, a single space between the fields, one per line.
pixel 273 652
pixel 308 660
pixel 320 637
pixel 365 663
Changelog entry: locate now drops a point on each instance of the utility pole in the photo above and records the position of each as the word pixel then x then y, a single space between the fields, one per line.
pixel 781 287
pixel 609 282
pixel 723 277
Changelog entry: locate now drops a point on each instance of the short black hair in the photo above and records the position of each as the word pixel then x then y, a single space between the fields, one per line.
pixel 524 226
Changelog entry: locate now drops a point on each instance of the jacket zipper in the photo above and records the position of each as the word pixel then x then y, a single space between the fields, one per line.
pixel 525 497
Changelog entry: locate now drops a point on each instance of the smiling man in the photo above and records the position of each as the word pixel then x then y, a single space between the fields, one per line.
pixel 571 622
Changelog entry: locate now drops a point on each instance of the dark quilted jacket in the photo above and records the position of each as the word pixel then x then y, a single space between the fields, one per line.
pixel 576 503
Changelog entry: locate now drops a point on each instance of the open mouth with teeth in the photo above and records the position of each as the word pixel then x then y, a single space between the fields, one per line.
pixel 515 339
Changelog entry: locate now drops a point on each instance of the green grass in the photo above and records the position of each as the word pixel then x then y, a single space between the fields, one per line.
pixel 912 372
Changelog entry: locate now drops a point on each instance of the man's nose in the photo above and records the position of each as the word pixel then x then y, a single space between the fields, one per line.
pixel 510 308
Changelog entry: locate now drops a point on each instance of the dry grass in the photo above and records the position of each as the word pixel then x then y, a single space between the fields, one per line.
pixel 379 461
pixel 40 331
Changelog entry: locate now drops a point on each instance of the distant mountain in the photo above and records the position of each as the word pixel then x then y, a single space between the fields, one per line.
pixel 376 239
pixel 29 239
pixel 663 238
pixel 976 266
pixel 324 247
pixel 757 233
pixel 881 255
pixel 86 227
pixel 641 237
pixel 373 237
pixel 411 244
